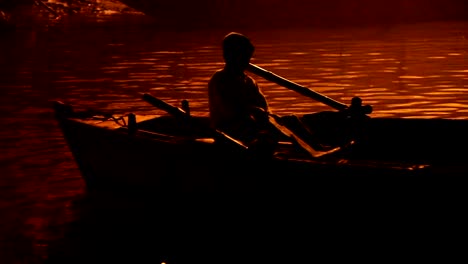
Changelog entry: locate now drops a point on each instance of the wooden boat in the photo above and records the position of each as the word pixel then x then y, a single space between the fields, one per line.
pixel 349 150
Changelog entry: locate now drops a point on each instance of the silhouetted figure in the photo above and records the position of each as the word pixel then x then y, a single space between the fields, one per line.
pixel 237 105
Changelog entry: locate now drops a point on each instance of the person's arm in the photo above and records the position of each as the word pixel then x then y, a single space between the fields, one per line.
pixel 259 98
pixel 258 108
pixel 214 102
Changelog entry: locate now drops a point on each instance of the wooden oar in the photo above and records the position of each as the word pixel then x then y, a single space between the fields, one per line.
pixel 314 153
pixel 304 90
pixel 179 113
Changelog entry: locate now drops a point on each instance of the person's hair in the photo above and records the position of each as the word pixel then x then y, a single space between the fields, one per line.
pixel 235 42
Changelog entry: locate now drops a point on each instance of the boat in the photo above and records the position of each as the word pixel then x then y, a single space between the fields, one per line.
pixel 179 152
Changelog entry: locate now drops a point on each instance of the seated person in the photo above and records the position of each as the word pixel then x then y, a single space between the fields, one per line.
pixel 236 104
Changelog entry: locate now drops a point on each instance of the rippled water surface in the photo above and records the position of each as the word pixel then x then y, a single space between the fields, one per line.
pixel 404 71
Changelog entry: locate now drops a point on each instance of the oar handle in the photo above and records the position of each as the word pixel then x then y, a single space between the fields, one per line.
pixel 180 113
pixel 296 87
pixel 170 109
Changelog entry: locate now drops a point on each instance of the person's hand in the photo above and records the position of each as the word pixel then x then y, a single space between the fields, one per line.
pixel 259 114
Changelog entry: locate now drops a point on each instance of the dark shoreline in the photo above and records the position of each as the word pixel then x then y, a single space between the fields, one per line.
pixel 43 14
pixel 237 15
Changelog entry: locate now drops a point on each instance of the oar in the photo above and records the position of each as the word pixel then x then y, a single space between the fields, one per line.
pixel 314 153
pixel 268 75
pixel 179 113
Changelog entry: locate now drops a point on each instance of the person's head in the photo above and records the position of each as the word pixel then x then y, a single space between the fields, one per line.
pixel 237 50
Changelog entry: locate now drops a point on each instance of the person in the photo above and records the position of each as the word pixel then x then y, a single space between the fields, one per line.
pixel 238 107
pixel 236 104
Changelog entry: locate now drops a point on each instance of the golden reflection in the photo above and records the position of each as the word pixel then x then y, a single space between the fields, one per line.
pixel 440 93
pixel 328 69
pixel 454 105
pixel 331 84
pixel 444 86
pixel 201 83
pixel 329 89
pixel 349 76
pixel 407 104
pixel 392 97
pixel 281 60
pixel 410 77
pixel 375 90
pixel 268 65
pixel 150 59
pixel 461 90
pixel 382 59
pixel 115 68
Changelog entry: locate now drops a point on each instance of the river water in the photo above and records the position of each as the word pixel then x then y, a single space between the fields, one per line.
pixel 409 71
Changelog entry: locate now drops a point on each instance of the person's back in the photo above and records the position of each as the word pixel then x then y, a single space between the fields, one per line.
pixel 237 106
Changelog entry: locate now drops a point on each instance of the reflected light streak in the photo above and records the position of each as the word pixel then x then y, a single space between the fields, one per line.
pixel 382 59
pixel 376 90
pixel 281 60
pixel 330 61
pixel 328 69
pixel 395 97
pixel 331 84
pixel 298 53
pixel 440 93
pixel 330 90
pixel 150 59
pixel 444 86
pixel 349 76
pixel 462 90
pixel 460 71
pixel 409 104
pixel 455 105
pixel 115 68
pixel 410 77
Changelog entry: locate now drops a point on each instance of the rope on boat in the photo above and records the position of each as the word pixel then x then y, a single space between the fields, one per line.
pixel 120 120
pixel 67 111
pixel 102 116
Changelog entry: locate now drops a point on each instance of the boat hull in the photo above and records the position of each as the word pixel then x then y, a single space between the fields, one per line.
pixel 150 159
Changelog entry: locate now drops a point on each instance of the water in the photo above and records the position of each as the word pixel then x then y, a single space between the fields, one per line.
pixel 408 71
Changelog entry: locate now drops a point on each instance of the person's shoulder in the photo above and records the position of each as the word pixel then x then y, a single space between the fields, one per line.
pixel 218 73
pixel 216 78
